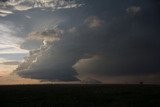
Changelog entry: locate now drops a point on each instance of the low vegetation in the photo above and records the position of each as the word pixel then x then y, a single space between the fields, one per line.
pixel 80 96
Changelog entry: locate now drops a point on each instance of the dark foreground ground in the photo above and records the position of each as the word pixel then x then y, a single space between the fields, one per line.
pixel 80 96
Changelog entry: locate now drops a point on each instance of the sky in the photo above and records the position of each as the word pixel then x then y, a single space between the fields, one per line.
pixel 79 41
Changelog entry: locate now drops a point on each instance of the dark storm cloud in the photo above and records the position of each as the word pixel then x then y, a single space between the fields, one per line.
pixel 46 63
pixel 108 40
pixel 133 10
pixel 3 0
pixel 90 81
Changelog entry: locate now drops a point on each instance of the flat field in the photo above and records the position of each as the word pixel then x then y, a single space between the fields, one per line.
pixel 80 96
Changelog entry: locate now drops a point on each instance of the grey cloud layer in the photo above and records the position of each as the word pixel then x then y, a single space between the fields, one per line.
pixel 48 35
pixel 107 42
pixel 11 63
pixel 9 6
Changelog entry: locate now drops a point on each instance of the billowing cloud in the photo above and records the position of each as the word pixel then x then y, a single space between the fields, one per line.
pixel 10 6
pixel 105 43
pixel 39 65
pixel 45 65
pixel 54 59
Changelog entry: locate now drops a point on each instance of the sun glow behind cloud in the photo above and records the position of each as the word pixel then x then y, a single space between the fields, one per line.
pixel 6 69
pixel 9 43
pixel 8 49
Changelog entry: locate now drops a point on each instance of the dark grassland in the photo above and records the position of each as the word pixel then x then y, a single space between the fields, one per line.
pixel 80 96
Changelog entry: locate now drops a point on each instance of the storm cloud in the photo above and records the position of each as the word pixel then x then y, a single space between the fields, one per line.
pixel 109 40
